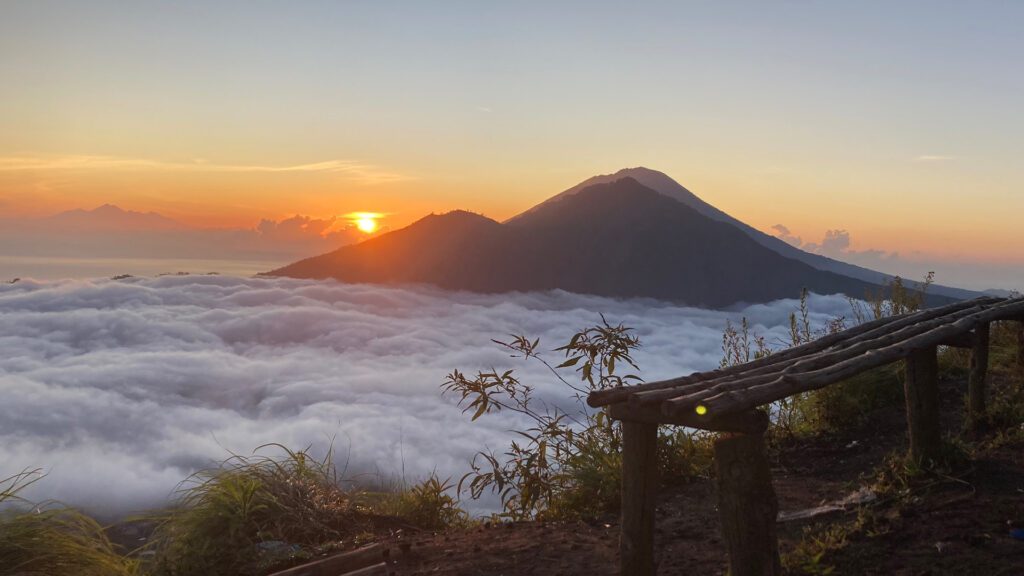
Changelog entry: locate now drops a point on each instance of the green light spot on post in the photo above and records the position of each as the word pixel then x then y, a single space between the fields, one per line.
pixel 701 409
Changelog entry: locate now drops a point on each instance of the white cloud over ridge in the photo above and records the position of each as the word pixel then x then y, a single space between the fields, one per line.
pixel 119 390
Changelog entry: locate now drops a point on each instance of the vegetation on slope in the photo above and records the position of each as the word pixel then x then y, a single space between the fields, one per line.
pixel 51 540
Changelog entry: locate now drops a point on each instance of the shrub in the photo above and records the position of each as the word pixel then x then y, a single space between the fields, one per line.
pixel 567 463
pixel 893 299
pixel 51 540
pixel 809 555
pixel 849 402
pixel 427 504
pixel 249 511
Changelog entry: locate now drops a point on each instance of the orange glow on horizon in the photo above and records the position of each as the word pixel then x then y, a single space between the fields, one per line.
pixel 240 195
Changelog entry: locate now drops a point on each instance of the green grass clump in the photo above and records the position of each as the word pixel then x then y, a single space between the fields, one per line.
pixel 684 453
pixel 809 556
pixel 428 504
pixel 51 540
pixel 247 513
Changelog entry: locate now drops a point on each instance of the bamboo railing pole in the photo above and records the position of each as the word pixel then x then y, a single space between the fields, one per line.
pixel 789 384
pixel 677 401
pixel 614 395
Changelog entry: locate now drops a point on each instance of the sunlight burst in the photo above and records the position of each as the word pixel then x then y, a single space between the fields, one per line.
pixel 366 225
pixel 365 222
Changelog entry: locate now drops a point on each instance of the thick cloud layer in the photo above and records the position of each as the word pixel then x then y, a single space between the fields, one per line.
pixel 119 390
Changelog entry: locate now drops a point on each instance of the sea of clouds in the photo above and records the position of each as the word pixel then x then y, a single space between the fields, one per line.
pixel 121 389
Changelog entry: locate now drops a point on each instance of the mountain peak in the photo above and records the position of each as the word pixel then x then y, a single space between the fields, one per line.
pixel 112 217
pixel 108 209
pixel 642 172
pixel 658 181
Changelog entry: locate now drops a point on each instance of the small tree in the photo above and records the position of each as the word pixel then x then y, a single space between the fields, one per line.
pixel 567 462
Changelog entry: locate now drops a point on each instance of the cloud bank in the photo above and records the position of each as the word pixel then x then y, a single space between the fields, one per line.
pixel 150 238
pixel 120 389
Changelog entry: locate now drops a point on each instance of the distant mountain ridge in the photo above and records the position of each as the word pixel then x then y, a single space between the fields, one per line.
pixel 619 239
pixel 109 217
pixel 664 184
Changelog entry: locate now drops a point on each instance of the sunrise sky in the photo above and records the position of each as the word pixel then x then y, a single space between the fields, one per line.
pixel 899 124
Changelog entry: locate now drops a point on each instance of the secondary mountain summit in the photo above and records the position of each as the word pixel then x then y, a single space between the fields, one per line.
pixel 614 236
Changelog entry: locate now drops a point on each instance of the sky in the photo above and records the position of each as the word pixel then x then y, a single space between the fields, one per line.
pixel 896 123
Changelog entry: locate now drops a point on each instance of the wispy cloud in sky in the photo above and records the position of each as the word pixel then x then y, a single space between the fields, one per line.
pixel 933 158
pixel 361 171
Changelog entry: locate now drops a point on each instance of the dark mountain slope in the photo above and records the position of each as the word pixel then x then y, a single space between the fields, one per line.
pixel 661 182
pixel 624 239
pixel 454 250
pixel 619 239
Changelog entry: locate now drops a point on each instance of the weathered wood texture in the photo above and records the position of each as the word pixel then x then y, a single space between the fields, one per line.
pixel 959 341
pixel 867 330
pixel 373 558
pixel 979 373
pixel 747 505
pixel 748 422
pixel 703 400
pixel 639 492
pixel 921 387
pixel 726 399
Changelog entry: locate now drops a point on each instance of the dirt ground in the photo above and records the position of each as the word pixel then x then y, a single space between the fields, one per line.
pixel 957 525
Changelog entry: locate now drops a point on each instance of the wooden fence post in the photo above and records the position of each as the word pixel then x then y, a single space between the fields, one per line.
pixel 747 505
pixel 1020 352
pixel 921 386
pixel 979 372
pixel 639 492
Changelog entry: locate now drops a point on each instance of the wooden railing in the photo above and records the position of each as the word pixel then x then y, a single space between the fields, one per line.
pixel 729 400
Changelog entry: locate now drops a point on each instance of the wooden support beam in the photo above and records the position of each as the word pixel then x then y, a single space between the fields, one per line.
pixel 959 341
pixel 921 386
pixel 639 491
pixel 1020 351
pixel 976 381
pixel 752 422
pixel 747 505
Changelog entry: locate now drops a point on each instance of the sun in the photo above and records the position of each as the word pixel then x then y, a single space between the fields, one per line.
pixel 365 222
pixel 368 225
